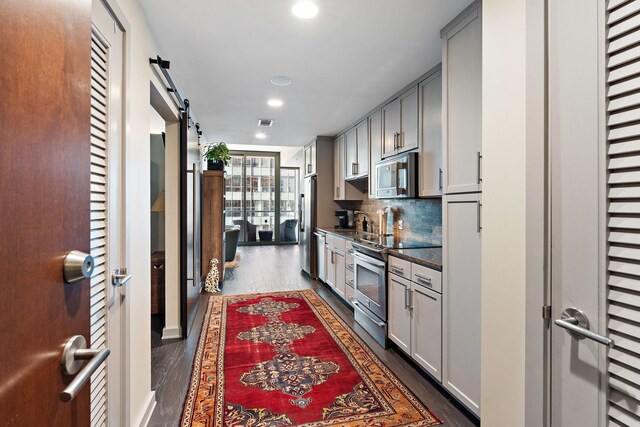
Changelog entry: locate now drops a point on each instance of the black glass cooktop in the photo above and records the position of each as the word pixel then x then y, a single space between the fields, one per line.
pixel 391 242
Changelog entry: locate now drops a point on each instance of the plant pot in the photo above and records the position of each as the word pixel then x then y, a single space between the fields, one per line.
pixel 215 165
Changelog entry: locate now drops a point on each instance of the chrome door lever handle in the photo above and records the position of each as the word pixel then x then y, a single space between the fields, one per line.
pixel 74 353
pixel 119 277
pixel 577 324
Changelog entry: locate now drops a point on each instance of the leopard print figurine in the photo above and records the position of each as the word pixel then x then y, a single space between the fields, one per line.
pixel 213 277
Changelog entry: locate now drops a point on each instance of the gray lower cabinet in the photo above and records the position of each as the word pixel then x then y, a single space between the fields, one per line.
pixel 336 264
pixel 415 314
pixel 461 290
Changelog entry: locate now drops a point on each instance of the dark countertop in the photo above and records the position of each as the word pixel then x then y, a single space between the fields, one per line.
pixel 347 233
pixel 427 257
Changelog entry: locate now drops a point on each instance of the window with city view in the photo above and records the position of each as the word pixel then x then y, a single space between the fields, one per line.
pixel 253 196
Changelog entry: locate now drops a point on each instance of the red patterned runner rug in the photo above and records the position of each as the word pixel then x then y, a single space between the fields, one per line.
pixel 286 359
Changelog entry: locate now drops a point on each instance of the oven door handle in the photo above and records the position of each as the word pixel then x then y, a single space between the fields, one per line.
pixel 366 260
pixel 380 324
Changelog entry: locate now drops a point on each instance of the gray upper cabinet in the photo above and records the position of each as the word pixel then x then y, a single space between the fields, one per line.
pixel 375 149
pixel 343 190
pixel 338 168
pixel 462 103
pixel 310 158
pixel 400 123
pixel 357 151
pixel 352 153
pixel 362 136
pixel 430 155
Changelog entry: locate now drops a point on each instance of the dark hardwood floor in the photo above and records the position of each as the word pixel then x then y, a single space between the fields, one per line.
pixel 272 269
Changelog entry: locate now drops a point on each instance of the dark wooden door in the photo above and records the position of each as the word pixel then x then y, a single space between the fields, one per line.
pixel 44 213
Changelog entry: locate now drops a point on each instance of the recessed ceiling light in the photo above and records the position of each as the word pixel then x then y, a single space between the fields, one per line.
pixel 304 9
pixel 261 135
pixel 280 80
pixel 275 103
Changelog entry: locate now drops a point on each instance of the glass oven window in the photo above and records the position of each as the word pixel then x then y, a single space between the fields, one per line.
pixel 370 284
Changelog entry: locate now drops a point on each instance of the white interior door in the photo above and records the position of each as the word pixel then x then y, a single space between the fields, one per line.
pixel 578 243
pixel 107 216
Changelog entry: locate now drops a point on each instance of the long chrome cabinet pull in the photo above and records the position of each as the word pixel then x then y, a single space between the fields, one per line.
pixel 479 217
pixel 380 324
pixel 479 166
pixel 440 179
pixel 406 297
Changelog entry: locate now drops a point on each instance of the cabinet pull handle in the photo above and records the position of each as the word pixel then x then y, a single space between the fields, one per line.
pixel 479 167
pixel 398 270
pixel 395 140
pixel 309 168
pixel 479 217
pixel 406 297
pixel 425 280
pixel 337 192
pixel 411 300
pixel 440 179
pixel 400 140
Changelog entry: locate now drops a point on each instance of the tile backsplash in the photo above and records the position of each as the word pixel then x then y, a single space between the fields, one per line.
pixel 422 217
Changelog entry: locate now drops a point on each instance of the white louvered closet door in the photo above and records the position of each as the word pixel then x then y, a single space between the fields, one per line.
pixel 623 285
pixel 99 177
pixel 106 215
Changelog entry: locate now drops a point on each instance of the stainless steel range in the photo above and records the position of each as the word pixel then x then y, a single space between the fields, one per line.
pixel 370 270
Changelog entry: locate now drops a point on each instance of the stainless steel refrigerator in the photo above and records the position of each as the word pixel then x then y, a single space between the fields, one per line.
pixel 308 223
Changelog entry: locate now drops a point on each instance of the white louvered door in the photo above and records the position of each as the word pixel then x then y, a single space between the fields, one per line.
pixel 107 301
pixel 623 146
pixel 594 148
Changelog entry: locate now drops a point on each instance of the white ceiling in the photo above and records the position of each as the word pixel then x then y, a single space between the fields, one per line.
pixel 349 58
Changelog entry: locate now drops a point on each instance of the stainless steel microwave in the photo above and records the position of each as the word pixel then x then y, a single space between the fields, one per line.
pixel 396 177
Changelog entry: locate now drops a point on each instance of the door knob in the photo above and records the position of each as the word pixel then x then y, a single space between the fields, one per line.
pixel 119 276
pixel 577 324
pixel 77 266
pixel 75 351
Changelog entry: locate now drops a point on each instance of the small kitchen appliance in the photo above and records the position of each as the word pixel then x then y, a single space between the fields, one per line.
pixel 343 219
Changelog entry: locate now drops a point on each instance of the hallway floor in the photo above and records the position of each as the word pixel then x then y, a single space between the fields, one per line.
pixel 272 269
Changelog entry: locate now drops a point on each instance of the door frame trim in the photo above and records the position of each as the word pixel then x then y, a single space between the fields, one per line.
pixel 602 191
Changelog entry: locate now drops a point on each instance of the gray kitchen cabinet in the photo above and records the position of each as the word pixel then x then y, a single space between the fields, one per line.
pixel 338 168
pixel 310 166
pixel 351 150
pixel 400 123
pixel 399 313
pixel 362 136
pixel 462 102
pixel 426 329
pixel 430 154
pixel 340 283
pixel 336 265
pixel 461 216
pixel 415 313
pixel 375 149
pixel 343 190
pixel 357 149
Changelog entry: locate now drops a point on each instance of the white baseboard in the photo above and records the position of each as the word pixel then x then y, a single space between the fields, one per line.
pixel 171 333
pixel 150 406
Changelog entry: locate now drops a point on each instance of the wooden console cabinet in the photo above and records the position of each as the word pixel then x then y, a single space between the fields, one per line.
pixel 213 212
pixel 157 282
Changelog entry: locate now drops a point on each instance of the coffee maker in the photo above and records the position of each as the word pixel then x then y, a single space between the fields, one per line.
pixel 343 219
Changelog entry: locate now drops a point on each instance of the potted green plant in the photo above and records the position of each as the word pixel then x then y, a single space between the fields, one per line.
pixel 217 156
